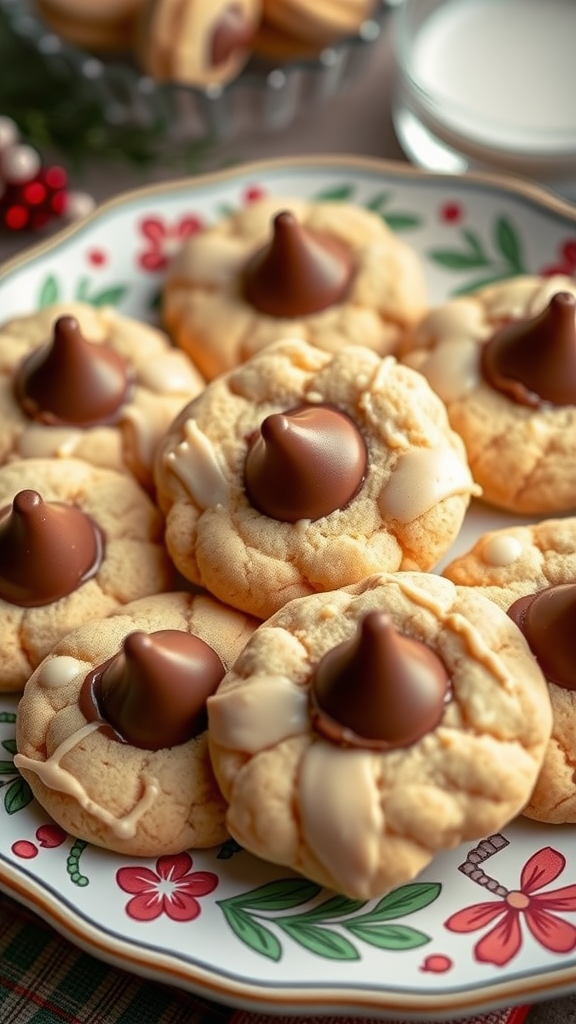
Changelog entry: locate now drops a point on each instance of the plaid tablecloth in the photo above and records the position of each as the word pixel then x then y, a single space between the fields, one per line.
pixel 44 979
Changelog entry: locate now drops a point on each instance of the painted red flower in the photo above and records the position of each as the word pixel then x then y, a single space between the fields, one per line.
pixel 502 942
pixel 451 213
pixel 566 263
pixel 173 889
pixel 163 239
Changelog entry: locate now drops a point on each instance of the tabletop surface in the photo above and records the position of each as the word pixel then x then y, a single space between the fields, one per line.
pixel 44 979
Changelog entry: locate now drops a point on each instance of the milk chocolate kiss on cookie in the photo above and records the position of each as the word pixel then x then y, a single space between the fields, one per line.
pixel 380 690
pixel 533 361
pixel 547 619
pixel 153 692
pixel 71 381
pixel 47 550
pixel 298 272
pixel 304 463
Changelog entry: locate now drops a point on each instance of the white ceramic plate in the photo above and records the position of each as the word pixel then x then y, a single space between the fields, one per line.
pixel 227 925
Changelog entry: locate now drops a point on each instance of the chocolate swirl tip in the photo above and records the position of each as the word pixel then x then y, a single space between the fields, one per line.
pixel 304 463
pixel 298 272
pixel 232 33
pixel 71 381
pixel 153 692
pixel 533 361
pixel 548 621
pixel 47 550
pixel 380 690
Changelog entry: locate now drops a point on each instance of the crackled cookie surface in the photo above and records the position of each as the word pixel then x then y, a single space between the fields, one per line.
pixel 331 273
pixel 503 359
pixel 76 542
pixel 358 784
pixel 530 571
pixel 111 729
pixel 90 383
pixel 302 471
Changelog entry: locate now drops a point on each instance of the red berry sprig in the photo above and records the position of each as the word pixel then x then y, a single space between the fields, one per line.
pixel 32 195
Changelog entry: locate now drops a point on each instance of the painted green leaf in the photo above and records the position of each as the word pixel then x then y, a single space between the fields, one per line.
pixel 73 863
pixel 109 296
pixel 508 243
pixel 474 243
pixel 228 849
pixel 378 201
pixel 404 900
pixel 321 941
pixel 8 717
pixel 481 282
pixel 82 289
pixel 402 221
pixel 279 895
pixel 7 768
pixel 17 796
pixel 49 292
pixel 10 745
pixel 226 210
pixel 455 259
pixel 155 301
pixel 337 906
pixel 250 932
pixel 388 936
pixel 339 193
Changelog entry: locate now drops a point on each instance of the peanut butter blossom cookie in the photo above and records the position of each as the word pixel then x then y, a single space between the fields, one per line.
pixel 331 273
pixel 503 359
pixel 111 730
pixel 530 571
pixel 362 731
pixel 76 541
pixel 89 383
pixel 302 471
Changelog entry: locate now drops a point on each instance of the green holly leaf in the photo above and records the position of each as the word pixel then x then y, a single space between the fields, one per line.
pixel 407 899
pixel 340 193
pixel 108 296
pixel 49 292
pixel 390 936
pixel 321 941
pixel 82 289
pixel 508 243
pixel 7 768
pixel 17 796
pixel 10 745
pixel 7 717
pixel 251 932
pixel 380 200
pixel 456 259
pixel 402 221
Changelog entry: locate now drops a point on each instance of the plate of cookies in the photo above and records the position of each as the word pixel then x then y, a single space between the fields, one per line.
pixel 287 585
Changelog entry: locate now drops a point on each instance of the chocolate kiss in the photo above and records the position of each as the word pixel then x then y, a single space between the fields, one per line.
pixel 47 549
pixel 232 32
pixel 298 272
pixel 154 691
pixel 548 621
pixel 534 361
pixel 304 464
pixel 380 689
pixel 71 380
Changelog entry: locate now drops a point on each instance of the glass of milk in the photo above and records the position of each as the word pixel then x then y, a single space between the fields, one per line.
pixel 488 84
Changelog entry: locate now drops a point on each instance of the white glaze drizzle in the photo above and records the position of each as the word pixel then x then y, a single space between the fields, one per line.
pixel 195 464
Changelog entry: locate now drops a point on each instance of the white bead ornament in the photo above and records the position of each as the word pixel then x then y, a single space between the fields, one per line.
pixel 19 164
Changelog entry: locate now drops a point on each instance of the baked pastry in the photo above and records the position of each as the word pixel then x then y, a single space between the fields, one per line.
pixel 530 571
pixel 302 471
pixel 76 542
pixel 362 731
pixel 94 24
pixel 111 729
pixel 332 273
pixel 76 380
pixel 197 42
pixel 321 21
pixel 503 359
